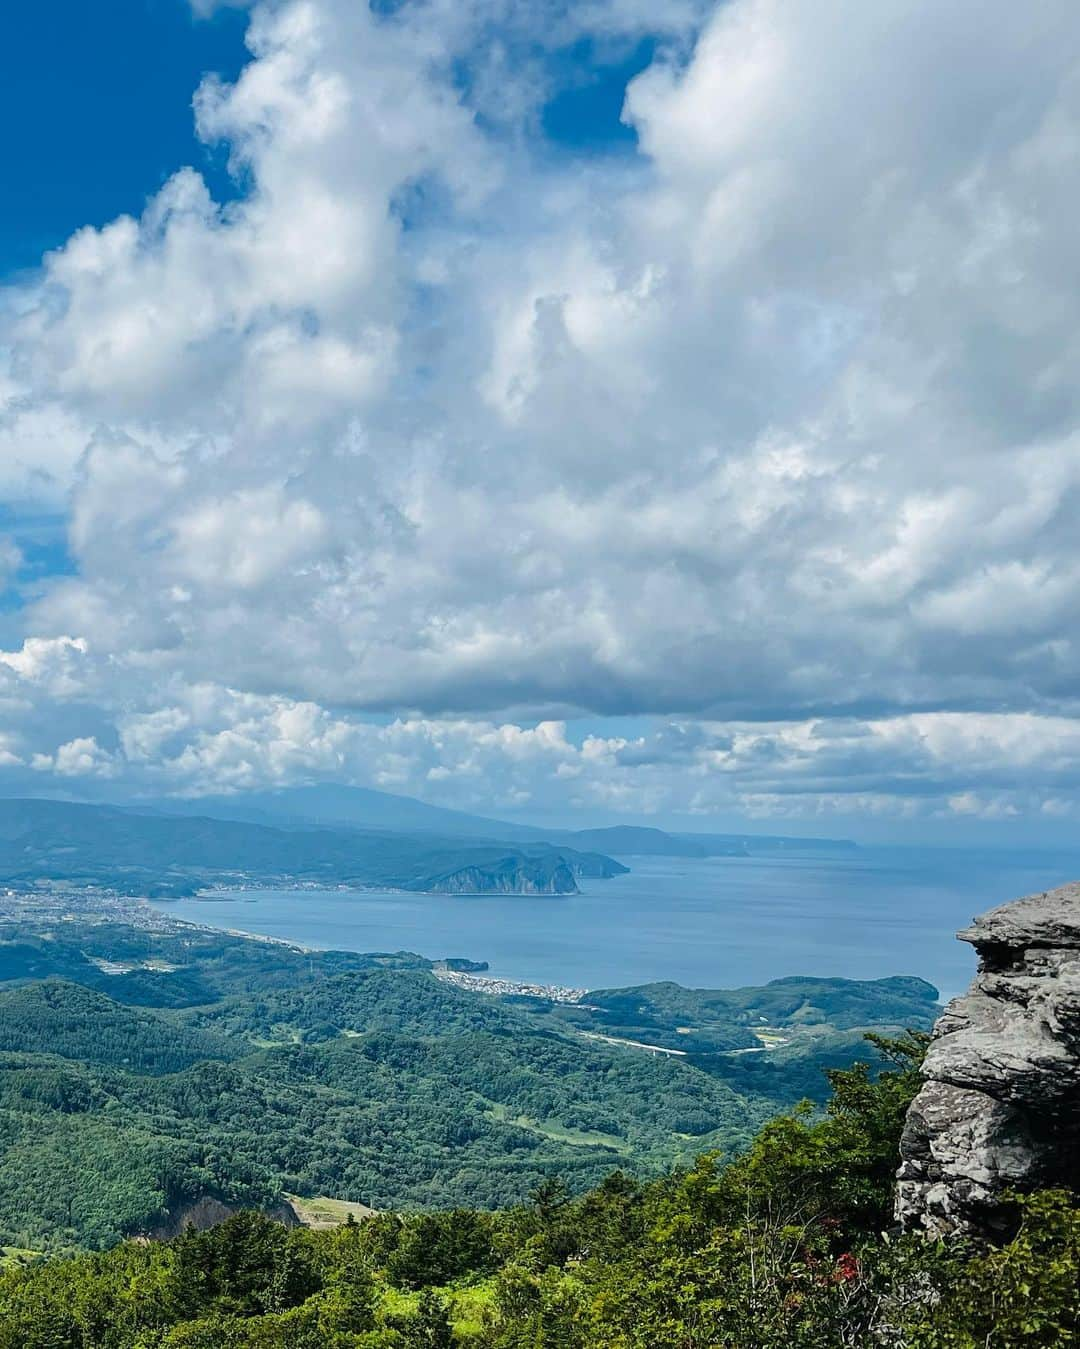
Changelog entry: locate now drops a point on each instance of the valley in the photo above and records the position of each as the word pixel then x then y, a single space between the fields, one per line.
pixel 148 1064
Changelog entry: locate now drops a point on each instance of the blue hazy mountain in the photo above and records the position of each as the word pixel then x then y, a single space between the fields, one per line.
pixel 335 805
pixel 173 854
pixel 331 804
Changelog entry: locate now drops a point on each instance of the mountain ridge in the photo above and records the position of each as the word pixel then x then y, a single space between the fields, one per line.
pixel 162 855
pixel 339 805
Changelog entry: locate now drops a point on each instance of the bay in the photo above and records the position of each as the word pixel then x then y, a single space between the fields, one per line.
pixel 715 922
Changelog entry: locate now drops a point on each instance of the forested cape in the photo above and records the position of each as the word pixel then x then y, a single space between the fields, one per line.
pixel 143 1071
pixel 136 853
pixel 786 1247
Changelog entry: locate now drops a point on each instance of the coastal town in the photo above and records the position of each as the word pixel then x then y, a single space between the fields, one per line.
pixel 480 983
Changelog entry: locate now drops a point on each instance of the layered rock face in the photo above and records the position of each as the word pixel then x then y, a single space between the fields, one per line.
pixel 1000 1108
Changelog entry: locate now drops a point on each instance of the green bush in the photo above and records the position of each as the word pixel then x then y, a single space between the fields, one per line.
pixel 787 1247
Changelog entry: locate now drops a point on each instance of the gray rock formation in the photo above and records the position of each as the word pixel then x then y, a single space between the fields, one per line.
pixel 207 1211
pixel 1000 1108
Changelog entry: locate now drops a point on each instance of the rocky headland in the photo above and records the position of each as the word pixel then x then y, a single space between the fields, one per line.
pixel 1000 1108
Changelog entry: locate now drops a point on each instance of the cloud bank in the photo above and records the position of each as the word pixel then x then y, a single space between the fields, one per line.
pixel 441 436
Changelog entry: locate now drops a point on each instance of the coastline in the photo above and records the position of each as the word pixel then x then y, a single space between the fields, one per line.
pixel 477 983
pixel 694 923
pixel 493 985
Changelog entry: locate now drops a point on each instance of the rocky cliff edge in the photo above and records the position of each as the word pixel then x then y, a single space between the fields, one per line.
pixel 1000 1107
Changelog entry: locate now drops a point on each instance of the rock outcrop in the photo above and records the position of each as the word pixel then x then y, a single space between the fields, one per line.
pixel 515 875
pixel 1000 1108
pixel 207 1211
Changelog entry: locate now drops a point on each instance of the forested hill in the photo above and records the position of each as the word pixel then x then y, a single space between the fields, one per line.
pixel 142 854
pixel 145 1069
pixel 784 1248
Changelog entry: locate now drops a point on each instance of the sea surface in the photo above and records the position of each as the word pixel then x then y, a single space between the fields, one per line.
pixel 712 923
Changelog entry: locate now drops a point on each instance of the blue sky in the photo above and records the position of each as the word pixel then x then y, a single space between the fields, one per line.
pixel 100 116
pixel 663 412
pixel 98 106
pixel 104 116
pixel 102 103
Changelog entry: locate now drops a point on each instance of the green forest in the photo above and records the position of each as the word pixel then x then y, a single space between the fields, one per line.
pixel 786 1246
pixel 144 1070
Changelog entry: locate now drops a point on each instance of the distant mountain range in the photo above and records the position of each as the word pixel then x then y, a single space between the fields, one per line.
pixel 364 808
pixel 331 835
pixel 171 855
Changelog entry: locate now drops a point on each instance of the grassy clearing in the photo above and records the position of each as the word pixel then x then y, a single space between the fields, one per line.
pixel 548 1129
pixel 16 1257
pixel 323 1212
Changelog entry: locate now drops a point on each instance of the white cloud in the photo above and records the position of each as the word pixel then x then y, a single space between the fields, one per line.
pixel 148 738
pixel 246 540
pixel 770 432
pixel 55 664
pixel 79 758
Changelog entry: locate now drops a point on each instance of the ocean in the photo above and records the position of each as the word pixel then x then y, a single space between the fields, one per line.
pixel 711 923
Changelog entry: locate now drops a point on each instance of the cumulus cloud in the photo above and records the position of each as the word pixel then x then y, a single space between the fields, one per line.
pixel 768 432
pixel 101 725
pixel 52 664
pixel 79 758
